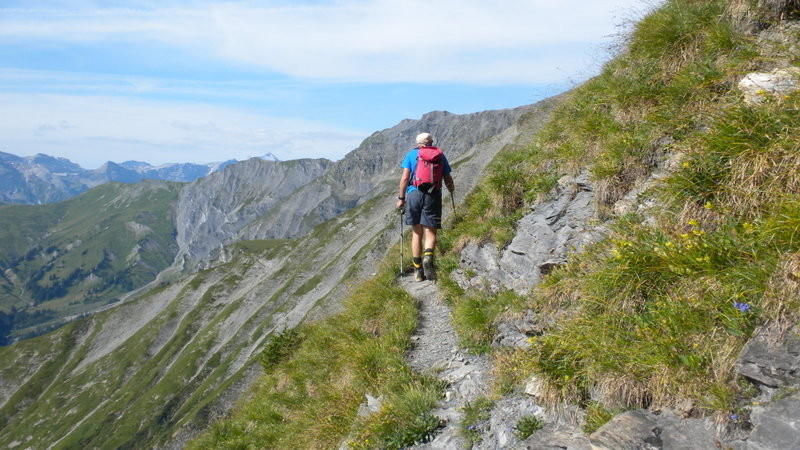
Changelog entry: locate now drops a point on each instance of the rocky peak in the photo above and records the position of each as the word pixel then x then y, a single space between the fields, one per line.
pixel 213 210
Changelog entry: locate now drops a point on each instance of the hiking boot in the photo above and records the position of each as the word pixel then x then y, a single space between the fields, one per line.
pixel 419 274
pixel 427 265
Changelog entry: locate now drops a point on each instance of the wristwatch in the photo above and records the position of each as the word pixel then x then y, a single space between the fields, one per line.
pixel 401 198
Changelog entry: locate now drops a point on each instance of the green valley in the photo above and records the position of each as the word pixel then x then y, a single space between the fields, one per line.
pixel 66 259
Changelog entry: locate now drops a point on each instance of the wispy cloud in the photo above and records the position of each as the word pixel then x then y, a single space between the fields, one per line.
pixel 367 41
pixel 45 128
pixel 101 128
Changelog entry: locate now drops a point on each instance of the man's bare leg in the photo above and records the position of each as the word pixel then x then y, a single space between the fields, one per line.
pixel 427 256
pixel 416 251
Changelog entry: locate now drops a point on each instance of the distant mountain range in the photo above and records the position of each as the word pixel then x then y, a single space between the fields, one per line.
pixel 46 179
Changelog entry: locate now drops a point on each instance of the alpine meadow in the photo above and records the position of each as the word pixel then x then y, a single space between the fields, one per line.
pixel 619 269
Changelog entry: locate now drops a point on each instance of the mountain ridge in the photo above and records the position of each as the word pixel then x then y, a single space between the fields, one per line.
pixel 42 178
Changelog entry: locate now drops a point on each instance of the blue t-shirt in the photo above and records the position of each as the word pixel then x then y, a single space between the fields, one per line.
pixel 410 163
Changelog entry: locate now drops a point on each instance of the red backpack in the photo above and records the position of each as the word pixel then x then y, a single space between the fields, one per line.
pixel 428 173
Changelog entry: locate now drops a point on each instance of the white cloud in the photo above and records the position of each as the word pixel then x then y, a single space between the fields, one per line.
pixel 373 41
pixel 92 130
pixel 96 114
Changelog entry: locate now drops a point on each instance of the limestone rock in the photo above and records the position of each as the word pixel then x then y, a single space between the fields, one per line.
pixel 505 415
pixel 758 85
pixel 770 361
pixel 371 406
pixel 775 427
pixel 517 332
pixel 778 43
pixel 642 429
pixel 634 430
pixel 545 238
pixel 535 388
pixel 214 210
pixel 556 439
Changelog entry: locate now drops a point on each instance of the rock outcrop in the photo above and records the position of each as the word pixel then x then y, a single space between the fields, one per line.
pixel 656 430
pixel 771 360
pixel 545 238
pixel 758 86
pixel 775 426
pixel 214 210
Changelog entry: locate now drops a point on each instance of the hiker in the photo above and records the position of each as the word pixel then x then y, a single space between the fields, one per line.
pixel 424 169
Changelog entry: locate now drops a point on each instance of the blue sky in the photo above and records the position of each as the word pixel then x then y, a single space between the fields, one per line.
pixel 203 81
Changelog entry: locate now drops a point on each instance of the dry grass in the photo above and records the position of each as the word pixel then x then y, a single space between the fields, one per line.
pixel 753 14
pixel 782 298
pixel 621 391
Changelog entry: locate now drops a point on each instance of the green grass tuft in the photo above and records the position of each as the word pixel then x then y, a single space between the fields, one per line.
pixel 527 426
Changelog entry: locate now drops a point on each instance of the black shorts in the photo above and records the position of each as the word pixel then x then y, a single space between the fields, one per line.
pixel 424 209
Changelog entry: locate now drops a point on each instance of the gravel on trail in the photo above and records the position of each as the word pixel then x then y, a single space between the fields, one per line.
pixel 436 352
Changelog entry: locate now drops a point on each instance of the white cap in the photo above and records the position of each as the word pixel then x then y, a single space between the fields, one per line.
pixel 424 138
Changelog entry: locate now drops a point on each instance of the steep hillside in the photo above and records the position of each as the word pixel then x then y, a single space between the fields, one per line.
pixel 213 211
pixel 158 368
pixel 632 273
pixel 61 260
pixel 685 177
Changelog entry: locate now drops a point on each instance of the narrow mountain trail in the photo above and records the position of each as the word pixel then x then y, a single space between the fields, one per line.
pixel 436 352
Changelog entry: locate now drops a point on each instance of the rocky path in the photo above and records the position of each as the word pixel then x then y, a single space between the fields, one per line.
pixel 436 352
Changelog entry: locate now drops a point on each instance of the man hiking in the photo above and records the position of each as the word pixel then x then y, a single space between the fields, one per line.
pixel 424 169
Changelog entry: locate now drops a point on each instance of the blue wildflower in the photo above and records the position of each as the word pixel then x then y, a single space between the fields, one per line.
pixel 734 417
pixel 743 307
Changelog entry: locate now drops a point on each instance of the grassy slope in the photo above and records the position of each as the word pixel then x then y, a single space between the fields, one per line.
pixel 308 398
pixel 657 312
pixel 169 374
pixel 654 314
pixel 52 248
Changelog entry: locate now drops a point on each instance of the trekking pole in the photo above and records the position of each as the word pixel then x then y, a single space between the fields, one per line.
pixel 401 240
pixel 453 200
